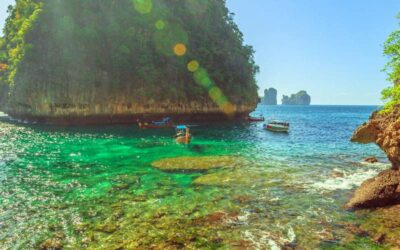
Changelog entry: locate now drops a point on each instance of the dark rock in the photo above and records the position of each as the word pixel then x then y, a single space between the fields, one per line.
pixel 371 159
pixel 337 174
pixel 380 191
pixel 51 244
pixel 354 229
pixel 107 227
pixel 379 238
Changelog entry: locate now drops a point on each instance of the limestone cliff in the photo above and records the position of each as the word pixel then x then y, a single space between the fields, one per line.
pixel 270 97
pixel 300 98
pixel 119 60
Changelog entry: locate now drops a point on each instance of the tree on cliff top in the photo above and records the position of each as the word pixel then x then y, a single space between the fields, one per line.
pixel 392 68
pixel 58 53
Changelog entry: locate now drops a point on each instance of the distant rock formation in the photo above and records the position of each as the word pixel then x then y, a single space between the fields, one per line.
pixel 301 98
pixel 270 97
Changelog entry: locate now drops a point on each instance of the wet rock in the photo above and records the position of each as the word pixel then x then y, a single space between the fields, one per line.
pixel 140 198
pixel 379 238
pixel 371 159
pixel 383 225
pixel 107 227
pixel 337 174
pixel 197 163
pixel 128 179
pixel 354 229
pixel 384 130
pixel 379 191
pixel 122 186
pixel 242 245
pixel 243 198
pixel 51 244
pixel 231 178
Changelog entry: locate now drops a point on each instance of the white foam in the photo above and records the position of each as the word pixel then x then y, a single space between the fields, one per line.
pixel 291 235
pixel 349 180
pixel 273 246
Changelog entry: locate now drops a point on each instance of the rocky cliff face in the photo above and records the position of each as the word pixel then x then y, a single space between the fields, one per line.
pixel 384 130
pixel 270 97
pixel 119 60
pixel 383 190
pixel 301 98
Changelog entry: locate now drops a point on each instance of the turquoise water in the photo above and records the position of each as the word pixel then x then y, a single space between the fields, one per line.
pixel 95 187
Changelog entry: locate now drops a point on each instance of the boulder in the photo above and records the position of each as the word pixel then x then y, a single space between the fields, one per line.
pixel 379 191
pixel 371 159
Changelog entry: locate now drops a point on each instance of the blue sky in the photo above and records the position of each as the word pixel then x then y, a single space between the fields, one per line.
pixel 331 48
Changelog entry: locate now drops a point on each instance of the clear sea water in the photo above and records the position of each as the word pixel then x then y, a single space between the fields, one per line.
pixel 95 187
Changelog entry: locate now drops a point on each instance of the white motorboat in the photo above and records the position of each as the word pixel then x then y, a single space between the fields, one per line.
pixel 277 126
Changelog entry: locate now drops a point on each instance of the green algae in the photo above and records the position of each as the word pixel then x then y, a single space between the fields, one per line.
pixel 237 177
pixel 196 163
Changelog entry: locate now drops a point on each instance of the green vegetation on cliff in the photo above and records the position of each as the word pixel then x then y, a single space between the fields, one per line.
pixel 392 68
pixel 101 57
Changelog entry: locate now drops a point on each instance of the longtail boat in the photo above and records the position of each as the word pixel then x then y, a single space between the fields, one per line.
pixel 183 135
pixel 166 122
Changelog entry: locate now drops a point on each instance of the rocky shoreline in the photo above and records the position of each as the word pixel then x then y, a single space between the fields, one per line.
pixel 381 194
pixel 126 118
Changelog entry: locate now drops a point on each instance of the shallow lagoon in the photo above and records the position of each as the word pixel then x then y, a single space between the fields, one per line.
pixel 96 188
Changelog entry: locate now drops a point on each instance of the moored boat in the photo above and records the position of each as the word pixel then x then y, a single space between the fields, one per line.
pixel 183 135
pixel 277 126
pixel 166 122
pixel 252 118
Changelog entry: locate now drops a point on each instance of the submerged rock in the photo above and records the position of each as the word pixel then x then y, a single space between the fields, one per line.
pixel 378 191
pixel 371 159
pixel 231 178
pixel 51 244
pixel 193 163
pixel 382 225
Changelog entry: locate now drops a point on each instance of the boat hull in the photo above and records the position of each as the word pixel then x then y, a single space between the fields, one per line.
pixel 272 128
pixel 255 119
pixel 145 125
pixel 183 139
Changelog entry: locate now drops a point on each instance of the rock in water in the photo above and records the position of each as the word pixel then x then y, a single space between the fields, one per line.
pixel 384 130
pixel 198 163
pixel 301 98
pixel 270 97
pixel 116 61
pixel 371 159
pixel 379 191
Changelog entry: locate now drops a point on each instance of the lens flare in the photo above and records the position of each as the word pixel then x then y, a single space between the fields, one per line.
pixel 143 6
pixel 193 66
pixel 180 49
pixel 167 39
pixel 201 78
pixel 228 109
pixel 160 24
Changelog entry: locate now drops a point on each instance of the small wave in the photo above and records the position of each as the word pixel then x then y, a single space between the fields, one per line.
pixel 349 181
